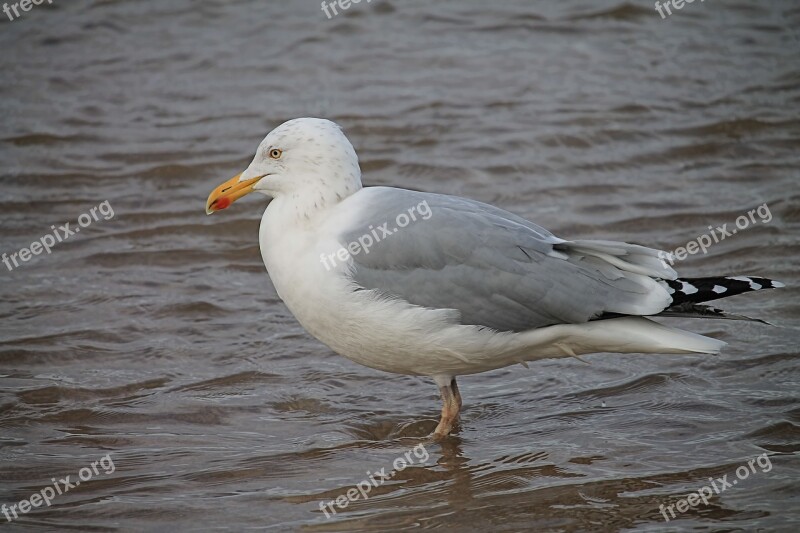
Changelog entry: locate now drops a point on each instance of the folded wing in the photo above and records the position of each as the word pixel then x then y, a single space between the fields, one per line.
pixel 496 269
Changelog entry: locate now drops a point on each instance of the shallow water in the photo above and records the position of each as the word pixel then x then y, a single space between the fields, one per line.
pixel 155 336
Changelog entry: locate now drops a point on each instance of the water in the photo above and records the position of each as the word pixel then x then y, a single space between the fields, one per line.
pixel 155 336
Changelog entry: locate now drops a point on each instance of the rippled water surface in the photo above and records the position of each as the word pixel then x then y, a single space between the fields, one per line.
pixel 155 336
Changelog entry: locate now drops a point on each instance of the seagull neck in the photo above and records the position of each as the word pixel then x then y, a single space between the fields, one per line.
pixel 309 204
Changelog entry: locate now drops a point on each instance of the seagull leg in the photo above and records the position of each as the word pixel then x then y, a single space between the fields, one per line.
pixel 456 393
pixel 451 405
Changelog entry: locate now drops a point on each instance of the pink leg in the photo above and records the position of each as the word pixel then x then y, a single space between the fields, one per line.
pixel 451 405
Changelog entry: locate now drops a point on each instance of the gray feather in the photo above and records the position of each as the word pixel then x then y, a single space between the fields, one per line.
pixel 496 269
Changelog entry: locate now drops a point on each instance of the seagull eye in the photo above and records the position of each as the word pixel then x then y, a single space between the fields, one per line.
pixel 275 153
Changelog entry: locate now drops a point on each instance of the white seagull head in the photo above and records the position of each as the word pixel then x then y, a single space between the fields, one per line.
pixel 303 157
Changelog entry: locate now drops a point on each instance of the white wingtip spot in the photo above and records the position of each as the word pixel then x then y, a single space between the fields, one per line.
pixel 688 288
pixel 719 289
pixel 777 285
pixel 753 285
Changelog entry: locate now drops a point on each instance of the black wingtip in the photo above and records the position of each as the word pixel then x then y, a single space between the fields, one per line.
pixel 698 290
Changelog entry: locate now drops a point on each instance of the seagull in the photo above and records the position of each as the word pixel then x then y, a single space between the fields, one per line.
pixel 433 285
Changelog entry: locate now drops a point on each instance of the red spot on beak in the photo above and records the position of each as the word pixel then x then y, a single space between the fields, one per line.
pixel 222 203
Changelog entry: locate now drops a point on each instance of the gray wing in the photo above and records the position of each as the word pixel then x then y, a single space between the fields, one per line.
pixel 496 269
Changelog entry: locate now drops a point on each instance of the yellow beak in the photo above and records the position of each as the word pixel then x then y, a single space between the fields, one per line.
pixel 227 193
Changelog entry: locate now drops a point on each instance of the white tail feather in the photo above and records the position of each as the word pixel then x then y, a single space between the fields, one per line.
pixel 619 335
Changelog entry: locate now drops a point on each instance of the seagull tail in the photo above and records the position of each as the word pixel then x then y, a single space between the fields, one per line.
pixel 628 335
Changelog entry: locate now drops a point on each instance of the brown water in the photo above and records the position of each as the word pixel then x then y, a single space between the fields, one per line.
pixel 156 337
